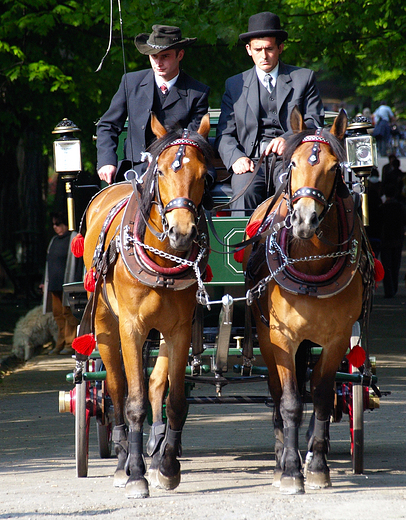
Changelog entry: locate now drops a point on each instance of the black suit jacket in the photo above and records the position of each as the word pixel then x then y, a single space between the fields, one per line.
pixel 237 130
pixel 186 104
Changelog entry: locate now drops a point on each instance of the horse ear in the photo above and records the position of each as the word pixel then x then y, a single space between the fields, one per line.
pixel 340 125
pixel 296 120
pixel 204 127
pixel 158 130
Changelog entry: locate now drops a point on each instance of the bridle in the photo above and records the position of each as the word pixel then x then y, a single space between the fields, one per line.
pixel 310 192
pixel 177 202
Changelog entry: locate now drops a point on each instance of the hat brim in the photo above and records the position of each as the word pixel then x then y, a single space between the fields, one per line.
pixel 278 33
pixel 143 47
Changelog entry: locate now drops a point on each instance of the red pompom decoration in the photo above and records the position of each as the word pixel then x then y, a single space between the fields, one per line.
pixel 252 228
pixel 357 356
pixel 379 270
pixel 84 344
pixel 77 246
pixel 89 281
pixel 208 274
pixel 239 256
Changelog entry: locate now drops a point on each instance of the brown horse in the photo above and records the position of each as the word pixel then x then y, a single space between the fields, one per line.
pixel 162 235
pixel 307 285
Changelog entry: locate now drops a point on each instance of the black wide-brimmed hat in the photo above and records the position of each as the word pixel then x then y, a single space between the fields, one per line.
pixel 264 24
pixel 163 37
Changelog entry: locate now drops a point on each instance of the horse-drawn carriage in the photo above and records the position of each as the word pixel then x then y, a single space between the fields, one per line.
pixel 308 278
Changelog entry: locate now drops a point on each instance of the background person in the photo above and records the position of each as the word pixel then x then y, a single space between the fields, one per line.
pixel 256 108
pixel 61 267
pixel 164 89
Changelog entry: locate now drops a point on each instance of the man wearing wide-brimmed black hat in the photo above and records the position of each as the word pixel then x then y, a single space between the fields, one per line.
pixel 164 89
pixel 256 107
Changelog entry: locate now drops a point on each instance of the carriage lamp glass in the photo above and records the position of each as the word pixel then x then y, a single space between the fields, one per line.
pixel 67 149
pixel 361 151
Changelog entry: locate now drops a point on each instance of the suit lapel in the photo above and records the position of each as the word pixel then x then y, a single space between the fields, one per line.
pixel 177 92
pixel 251 92
pixel 283 85
pixel 146 90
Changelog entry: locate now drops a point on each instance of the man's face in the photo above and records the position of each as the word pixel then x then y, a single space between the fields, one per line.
pixel 166 63
pixel 264 52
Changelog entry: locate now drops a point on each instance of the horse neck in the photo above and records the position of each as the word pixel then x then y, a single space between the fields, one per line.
pixel 328 230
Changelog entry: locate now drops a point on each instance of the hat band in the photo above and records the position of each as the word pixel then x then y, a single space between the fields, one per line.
pixel 154 46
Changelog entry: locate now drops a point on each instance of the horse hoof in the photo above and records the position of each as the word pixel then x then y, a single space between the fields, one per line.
pixel 277 474
pixel 120 478
pixel 291 485
pixel 153 477
pixel 137 488
pixel 317 480
pixel 168 483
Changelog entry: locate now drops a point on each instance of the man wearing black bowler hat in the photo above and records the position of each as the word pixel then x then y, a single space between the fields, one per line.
pixel 164 89
pixel 256 107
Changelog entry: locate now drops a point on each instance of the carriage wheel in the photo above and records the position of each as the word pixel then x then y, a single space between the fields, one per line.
pixel 357 416
pixel 104 439
pixel 82 420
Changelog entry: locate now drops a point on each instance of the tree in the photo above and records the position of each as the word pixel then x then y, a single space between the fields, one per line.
pixel 49 51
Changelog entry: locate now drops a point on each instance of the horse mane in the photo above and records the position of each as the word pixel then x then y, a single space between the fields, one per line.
pixel 295 140
pixel 155 149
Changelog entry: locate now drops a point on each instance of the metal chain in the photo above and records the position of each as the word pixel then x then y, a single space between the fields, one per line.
pixel 257 291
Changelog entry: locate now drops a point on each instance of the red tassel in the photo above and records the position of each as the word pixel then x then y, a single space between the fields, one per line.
pixel 379 271
pixel 89 281
pixel 77 246
pixel 252 228
pixel 357 356
pixel 84 344
pixel 209 274
pixel 239 256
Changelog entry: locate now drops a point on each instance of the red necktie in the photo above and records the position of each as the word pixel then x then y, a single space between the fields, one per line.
pixel 164 89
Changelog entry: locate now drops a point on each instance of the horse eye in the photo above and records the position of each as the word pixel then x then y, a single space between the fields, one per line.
pixel 160 172
pixel 293 164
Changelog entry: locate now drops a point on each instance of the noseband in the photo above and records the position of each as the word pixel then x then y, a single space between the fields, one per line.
pixel 178 202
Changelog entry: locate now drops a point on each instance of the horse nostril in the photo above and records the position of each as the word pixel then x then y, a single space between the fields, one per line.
pixel 314 220
pixel 293 217
pixel 193 232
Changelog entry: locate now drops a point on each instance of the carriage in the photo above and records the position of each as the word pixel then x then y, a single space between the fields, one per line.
pixel 215 340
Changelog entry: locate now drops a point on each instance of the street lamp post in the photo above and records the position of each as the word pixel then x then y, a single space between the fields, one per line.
pixel 68 162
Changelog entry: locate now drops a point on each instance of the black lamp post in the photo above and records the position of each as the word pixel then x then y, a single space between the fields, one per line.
pixel 68 161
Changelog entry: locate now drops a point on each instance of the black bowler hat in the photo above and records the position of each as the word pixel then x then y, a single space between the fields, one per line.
pixel 264 24
pixel 163 37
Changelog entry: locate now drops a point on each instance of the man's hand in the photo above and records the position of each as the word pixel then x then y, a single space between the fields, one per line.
pixel 107 173
pixel 277 145
pixel 243 165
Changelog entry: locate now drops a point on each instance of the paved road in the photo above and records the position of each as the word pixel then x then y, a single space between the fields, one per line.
pixel 227 462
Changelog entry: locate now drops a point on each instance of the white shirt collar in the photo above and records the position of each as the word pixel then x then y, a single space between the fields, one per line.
pixel 261 74
pixel 159 81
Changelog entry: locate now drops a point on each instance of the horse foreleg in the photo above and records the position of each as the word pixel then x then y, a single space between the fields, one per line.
pixel 176 409
pixel 109 347
pixel 276 393
pixel 136 411
pixel 317 471
pixel 158 386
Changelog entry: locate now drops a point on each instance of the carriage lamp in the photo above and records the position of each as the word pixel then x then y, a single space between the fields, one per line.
pixel 67 161
pixel 361 147
pixel 361 156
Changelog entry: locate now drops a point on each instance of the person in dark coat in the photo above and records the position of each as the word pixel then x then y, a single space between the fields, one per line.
pixel 165 89
pixel 393 217
pixel 61 267
pixel 256 108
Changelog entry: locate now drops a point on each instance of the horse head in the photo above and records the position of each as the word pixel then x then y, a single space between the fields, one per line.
pixel 181 170
pixel 315 157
